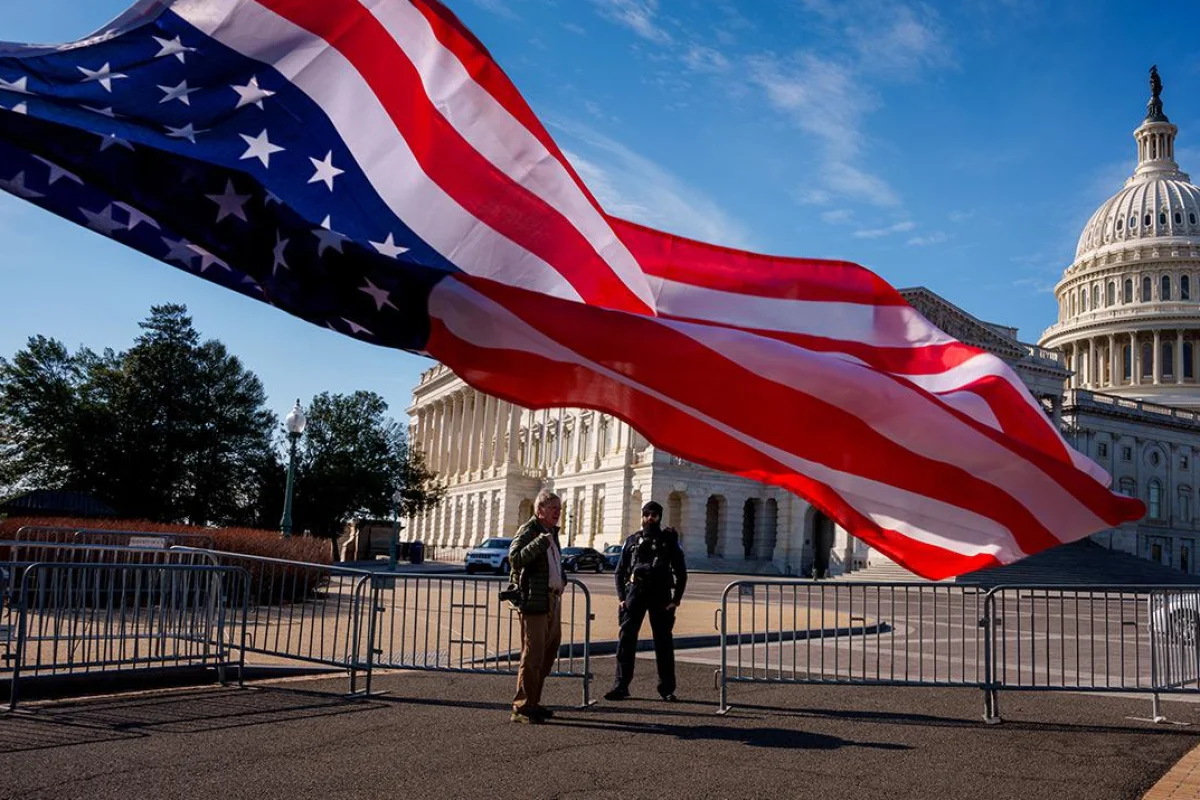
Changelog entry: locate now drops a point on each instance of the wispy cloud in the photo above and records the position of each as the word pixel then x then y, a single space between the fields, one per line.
pixel 937 237
pixel 875 233
pixel 574 28
pixel 633 187
pixel 699 58
pixel 500 7
pixel 637 15
pixel 837 216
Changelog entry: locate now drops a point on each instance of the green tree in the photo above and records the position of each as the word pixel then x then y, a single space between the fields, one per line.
pixel 352 458
pixel 174 429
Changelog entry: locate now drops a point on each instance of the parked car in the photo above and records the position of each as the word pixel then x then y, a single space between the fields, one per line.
pixel 579 559
pixel 612 556
pixel 490 556
pixel 1176 617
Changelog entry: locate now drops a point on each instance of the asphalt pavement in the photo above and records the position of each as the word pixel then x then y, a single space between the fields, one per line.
pixel 437 735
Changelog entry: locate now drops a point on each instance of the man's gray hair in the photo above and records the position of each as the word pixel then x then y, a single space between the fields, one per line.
pixel 544 498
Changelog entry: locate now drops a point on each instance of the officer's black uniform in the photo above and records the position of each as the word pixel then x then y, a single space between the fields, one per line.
pixel 650 574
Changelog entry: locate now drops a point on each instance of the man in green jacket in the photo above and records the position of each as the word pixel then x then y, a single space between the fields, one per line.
pixel 537 569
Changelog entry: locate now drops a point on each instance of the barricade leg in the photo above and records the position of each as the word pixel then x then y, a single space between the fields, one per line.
pixel 991 707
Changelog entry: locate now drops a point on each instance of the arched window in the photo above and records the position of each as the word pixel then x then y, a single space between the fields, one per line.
pixel 1162 218
pixel 1132 223
pixel 1127 292
pixel 1095 297
pixel 1146 286
pixel 1147 360
pixel 1168 359
pixel 1083 303
pixel 1185 504
pixel 1110 296
pixel 1072 299
pixel 1185 288
pixel 1165 293
pixel 1178 218
pixel 1120 224
pixel 1148 220
pixel 1127 487
pixel 1191 218
pixel 1154 500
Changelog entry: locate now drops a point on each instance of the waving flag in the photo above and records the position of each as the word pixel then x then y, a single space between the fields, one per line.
pixel 366 165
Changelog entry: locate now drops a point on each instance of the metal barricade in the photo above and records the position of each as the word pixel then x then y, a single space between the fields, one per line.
pixel 302 611
pixel 1175 638
pixel 107 536
pixel 883 634
pixel 83 617
pixel 459 624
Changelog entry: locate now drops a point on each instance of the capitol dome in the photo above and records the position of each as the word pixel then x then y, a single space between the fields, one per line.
pixel 1129 304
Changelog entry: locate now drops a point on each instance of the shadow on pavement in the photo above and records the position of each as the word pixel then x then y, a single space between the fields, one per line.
pixel 113 719
pixel 752 737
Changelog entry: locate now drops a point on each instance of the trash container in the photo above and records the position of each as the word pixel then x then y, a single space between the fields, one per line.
pixel 416 552
pixel 404 546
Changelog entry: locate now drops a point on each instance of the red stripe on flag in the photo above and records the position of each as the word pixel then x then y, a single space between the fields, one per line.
pixel 476 184
pixel 505 376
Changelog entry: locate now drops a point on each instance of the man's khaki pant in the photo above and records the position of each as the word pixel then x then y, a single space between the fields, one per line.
pixel 541 634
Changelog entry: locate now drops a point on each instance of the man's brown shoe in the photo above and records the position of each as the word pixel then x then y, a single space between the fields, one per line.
pixel 526 719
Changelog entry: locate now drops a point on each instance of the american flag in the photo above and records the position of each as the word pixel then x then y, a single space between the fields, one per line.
pixel 367 166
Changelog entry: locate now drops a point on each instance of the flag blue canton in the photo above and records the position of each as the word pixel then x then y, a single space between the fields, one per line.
pixel 169 142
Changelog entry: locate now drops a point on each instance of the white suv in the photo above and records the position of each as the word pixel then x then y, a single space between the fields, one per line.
pixel 491 556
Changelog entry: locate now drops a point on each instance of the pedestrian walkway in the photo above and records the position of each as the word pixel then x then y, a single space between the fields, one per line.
pixel 1182 782
pixel 435 735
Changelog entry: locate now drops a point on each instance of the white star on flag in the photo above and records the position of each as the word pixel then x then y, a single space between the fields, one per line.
pixel 57 172
pixel 137 217
pixel 172 47
pixel 329 237
pixel 355 328
pixel 280 261
pixel 107 140
pixel 326 171
pixel 207 259
pixel 107 112
pixel 179 93
pixel 259 147
pixel 19 108
pixel 251 94
pixel 17 186
pixel 180 251
pixel 105 76
pixel 380 296
pixel 186 132
pixel 102 222
pixel 19 85
pixel 230 203
pixel 388 247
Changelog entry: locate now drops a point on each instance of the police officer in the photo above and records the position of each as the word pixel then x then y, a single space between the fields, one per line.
pixel 651 577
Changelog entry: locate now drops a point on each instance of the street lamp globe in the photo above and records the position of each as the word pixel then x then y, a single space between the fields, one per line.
pixel 296 421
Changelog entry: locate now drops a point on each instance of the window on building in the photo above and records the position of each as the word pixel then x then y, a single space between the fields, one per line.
pixel 1083 300
pixel 1185 504
pixel 1127 357
pixel 1120 224
pixel 1102 449
pixel 1110 294
pixel 1096 296
pixel 1128 291
pixel 1168 359
pixel 1154 500
pixel 1146 286
pixel 1127 455
pixel 1183 462
pixel 1148 220
pixel 1178 218
pixel 1156 553
pixel 1155 458
pixel 1192 218
pixel 1185 288
pixel 1165 293
pixel 1147 360
pixel 1185 559
pixel 1162 218
pixel 1132 223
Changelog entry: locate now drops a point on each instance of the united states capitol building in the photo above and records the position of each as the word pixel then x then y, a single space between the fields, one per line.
pixel 1118 370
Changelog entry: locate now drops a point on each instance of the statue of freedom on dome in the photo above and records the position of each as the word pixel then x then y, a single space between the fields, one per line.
pixel 1154 108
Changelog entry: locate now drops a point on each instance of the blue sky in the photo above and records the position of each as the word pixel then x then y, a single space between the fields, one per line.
pixel 957 145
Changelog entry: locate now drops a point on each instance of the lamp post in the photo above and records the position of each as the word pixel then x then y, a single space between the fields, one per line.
pixel 397 496
pixel 294 423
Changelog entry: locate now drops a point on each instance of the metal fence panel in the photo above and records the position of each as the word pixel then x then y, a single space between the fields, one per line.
pixel 1175 638
pixel 86 617
pixel 459 624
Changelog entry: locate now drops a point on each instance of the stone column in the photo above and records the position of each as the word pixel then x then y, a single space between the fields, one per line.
pixel 462 409
pixel 439 456
pixel 1135 358
pixel 1114 374
pixel 577 447
pixel 1157 357
pixel 514 435
pixel 1179 355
